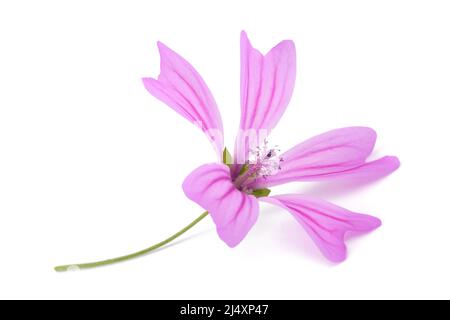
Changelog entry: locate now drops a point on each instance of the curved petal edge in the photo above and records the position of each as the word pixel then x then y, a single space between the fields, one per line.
pixel 325 222
pixel 233 212
pixel 182 88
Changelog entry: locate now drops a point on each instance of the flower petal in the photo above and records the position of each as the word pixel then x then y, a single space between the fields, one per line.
pixel 267 83
pixel 339 153
pixel 181 87
pixel 233 212
pixel 325 222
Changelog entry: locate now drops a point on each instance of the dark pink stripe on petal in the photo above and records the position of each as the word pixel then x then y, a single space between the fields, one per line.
pixel 265 91
pixel 339 153
pixel 233 212
pixel 181 87
pixel 326 223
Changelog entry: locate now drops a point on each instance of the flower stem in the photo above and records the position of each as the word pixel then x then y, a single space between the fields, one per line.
pixel 90 265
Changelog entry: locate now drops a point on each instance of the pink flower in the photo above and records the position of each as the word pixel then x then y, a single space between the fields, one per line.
pixel 231 192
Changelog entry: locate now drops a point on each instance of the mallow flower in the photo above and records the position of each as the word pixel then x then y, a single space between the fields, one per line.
pixel 231 189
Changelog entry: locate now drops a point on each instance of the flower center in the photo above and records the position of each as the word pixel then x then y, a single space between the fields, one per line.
pixel 263 161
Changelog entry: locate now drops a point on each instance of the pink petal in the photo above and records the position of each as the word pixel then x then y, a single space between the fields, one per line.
pixel 339 153
pixel 267 83
pixel 325 222
pixel 181 87
pixel 233 212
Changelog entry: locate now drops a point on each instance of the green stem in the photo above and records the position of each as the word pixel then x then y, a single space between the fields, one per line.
pixel 69 267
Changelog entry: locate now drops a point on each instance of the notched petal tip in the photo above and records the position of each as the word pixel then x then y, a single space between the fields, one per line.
pixel 326 223
pixel 286 45
pixel 267 83
pixel 182 88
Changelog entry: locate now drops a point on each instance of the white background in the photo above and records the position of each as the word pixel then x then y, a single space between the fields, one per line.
pixel 91 165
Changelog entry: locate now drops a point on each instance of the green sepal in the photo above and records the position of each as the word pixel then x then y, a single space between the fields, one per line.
pixel 227 158
pixel 261 192
pixel 244 169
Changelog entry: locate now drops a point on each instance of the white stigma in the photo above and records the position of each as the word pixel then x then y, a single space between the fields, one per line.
pixel 266 160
